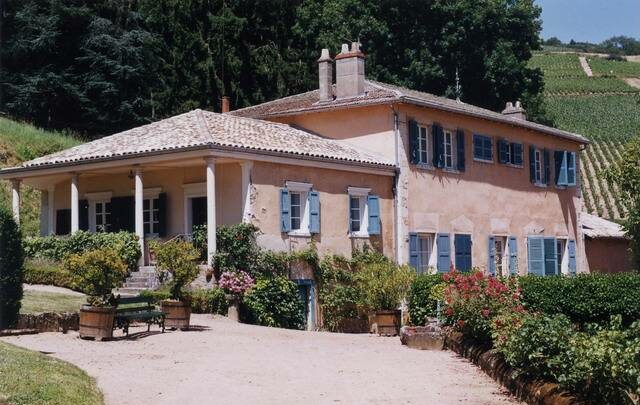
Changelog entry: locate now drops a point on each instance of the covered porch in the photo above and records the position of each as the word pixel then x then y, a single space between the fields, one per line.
pixel 157 198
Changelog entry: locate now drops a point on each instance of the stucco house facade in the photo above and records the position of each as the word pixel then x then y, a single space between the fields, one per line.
pixel 426 180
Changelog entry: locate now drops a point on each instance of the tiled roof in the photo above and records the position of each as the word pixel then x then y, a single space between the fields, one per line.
pixel 381 93
pixel 200 129
pixel 596 227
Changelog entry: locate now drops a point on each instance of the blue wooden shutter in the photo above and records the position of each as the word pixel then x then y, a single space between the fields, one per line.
pixel 532 164
pixel 162 215
pixel 571 169
pixel 414 258
pixel 513 255
pixel 550 257
pixel 572 257
pixel 535 253
pixel 503 151
pixel 444 255
pixel 491 265
pixel 516 154
pixel 460 149
pixel 314 212
pixel 83 215
pixel 438 150
pixel 547 173
pixel 561 167
pixel 285 210
pixel 462 244
pixel 414 142
pixel 373 206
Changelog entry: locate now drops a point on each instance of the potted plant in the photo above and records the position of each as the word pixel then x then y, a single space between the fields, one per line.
pixel 235 284
pixel 97 273
pixel 176 264
pixel 383 286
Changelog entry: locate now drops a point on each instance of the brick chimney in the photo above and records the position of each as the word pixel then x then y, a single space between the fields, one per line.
pixel 325 76
pixel 225 104
pixel 350 71
pixel 515 111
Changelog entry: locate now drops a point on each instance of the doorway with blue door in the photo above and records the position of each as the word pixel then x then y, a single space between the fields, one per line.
pixel 307 295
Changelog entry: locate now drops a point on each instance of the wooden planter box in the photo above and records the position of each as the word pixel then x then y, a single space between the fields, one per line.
pixel 96 322
pixel 177 314
pixel 385 323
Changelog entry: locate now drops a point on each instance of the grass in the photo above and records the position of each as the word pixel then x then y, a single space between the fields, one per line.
pixel 601 66
pixel 31 378
pixel 35 302
pixel 587 85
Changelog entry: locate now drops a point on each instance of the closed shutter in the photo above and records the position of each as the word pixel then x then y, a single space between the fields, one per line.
pixel 285 210
pixel 438 140
pixel 571 169
pixel 314 212
pixel 532 164
pixel 572 257
pixel 63 222
pixel 491 265
pixel 513 255
pixel 550 257
pixel 414 258
pixel 373 207
pixel 162 215
pixel 460 150
pixel 414 142
pixel 503 151
pixel 123 214
pixel 547 172
pixel 535 253
pixel 83 218
pixel 516 154
pixel 444 255
pixel 462 245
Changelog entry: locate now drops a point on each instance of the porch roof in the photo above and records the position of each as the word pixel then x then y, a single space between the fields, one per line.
pixel 596 227
pixel 199 129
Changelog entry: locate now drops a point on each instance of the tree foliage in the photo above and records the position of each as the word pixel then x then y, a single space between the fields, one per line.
pixel 11 269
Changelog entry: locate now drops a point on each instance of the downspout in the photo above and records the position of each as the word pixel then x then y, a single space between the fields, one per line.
pixel 396 184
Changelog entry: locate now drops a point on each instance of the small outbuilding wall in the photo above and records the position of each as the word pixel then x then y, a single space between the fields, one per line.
pixel 608 255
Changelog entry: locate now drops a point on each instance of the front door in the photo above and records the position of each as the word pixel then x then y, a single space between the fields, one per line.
pixel 199 211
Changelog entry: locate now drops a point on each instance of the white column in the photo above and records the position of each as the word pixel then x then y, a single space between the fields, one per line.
pixel 246 191
pixel 51 194
pixel 15 194
pixel 211 209
pixel 75 206
pixel 139 201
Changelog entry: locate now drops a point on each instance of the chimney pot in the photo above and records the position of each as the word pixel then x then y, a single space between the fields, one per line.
pixel 350 71
pixel 345 48
pixel 225 104
pixel 515 111
pixel 325 76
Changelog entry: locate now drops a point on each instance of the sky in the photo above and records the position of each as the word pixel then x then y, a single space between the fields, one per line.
pixel 589 20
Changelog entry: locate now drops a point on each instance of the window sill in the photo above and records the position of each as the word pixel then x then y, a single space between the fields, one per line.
pixel 424 166
pixel 300 234
pixel 355 235
pixel 541 185
pixel 482 160
pixel 514 166
pixel 450 170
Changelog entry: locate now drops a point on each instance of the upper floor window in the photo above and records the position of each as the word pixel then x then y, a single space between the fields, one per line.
pixel 539 165
pixel 510 152
pixel 448 150
pixel 299 209
pixel 482 148
pixel 565 168
pixel 364 212
pixel 419 141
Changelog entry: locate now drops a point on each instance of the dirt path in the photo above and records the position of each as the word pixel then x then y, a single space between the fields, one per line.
pixel 633 82
pixel 229 363
pixel 585 66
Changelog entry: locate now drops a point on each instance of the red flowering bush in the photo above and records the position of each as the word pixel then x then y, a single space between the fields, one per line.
pixel 473 300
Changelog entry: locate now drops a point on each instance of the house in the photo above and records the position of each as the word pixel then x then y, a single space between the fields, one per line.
pixel 427 180
pixel 607 245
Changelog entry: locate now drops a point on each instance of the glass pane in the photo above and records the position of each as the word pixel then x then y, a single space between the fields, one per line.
pixel 295 223
pixel 156 216
pixel 146 228
pixel 145 204
pixel 145 216
pixel 295 198
pixel 107 207
pixel 355 225
pixel 295 211
pixel 98 220
pixel 355 202
pixel 98 208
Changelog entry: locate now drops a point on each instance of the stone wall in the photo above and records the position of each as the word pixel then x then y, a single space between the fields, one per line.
pixel 49 321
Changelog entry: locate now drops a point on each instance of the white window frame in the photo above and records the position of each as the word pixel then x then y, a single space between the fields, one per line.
pixel 564 263
pixel 150 194
pixel 423 134
pixel 539 166
pixel 93 199
pixel 303 189
pixel 94 226
pixel 503 268
pixel 362 194
pixel 453 154
pixel 432 258
pixel 191 191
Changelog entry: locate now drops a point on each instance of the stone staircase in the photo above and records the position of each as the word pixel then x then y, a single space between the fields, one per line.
pixel 143 279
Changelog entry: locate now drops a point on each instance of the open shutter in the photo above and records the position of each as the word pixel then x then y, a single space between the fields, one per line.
pixel 414 258
pixel 491 265
pixel 550 257
pixel 462 244
pixel 444 255
pixel 572 257
pixel 373 207
pixel 123 214
pixel 314 212
pixel 503 151
pixel 532 164
pixel 63 222
pixel 162 215
pixel 561 167
pixel 571 169
pixel 535 253
pixel 460 150
pixel 513 255
pixel 414 141
pixel 438 140
pixel 83 215
pixel 285 210
pixel 547 172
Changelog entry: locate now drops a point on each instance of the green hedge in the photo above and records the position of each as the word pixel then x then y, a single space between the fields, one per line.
pixel 421 304
pixel 589 298
pixel 48 272
pixel 274 302
pixel 57 247
pixel 11 269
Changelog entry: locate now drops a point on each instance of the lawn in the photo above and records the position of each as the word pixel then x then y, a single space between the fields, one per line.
pixel 31 378
pixel 35 302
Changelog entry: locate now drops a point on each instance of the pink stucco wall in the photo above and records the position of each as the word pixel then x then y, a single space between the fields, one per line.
pixel 606 255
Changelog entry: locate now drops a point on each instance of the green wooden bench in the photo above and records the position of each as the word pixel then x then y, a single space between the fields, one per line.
pixel 137 309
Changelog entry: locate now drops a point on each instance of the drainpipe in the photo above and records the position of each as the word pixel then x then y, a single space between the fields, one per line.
pixel 396 184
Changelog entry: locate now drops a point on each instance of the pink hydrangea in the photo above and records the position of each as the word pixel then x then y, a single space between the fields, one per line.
pixel 236 282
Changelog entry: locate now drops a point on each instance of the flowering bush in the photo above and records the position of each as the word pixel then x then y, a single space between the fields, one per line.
pixel 472 300
pixel 236 282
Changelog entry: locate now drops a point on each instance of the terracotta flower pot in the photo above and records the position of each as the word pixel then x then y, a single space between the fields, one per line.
pixel 96 322
pixel 177 314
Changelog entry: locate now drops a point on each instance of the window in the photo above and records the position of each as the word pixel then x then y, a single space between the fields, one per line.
pixel 102 216
pixel 543 255
pixel 509 153
pixel 482 148
pixel 499 258
pixel 423 150
pixel 538 166
pixel 448 150
pixel 151 216
pixel 299 209
pixel 560 249
pixel 364 212
pixel 425 248
pixel 565 165
pixel 355 214
pixel 462 244
pixel 296 211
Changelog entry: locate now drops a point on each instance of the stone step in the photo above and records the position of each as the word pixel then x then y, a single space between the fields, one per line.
pixel 141 278
pixel 137 284
pixel 129 292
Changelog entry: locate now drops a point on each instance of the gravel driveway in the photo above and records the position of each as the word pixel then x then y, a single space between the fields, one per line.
pixel 222 362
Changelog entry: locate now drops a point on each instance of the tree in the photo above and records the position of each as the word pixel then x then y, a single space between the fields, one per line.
pixel 11 269
pixel 553 41
pixel 625 174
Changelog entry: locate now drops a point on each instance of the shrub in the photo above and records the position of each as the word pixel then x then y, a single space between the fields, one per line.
pixel 48 272
pixel 274 302
pixel 97 272
pixel 209 301
pixel 176 261
pixel 235 282
pixel 156 296
pixel 338 294
pixel 11 269
pixel 421 304
pixel 587 298
pixel 124 244
pixel 236 247
pixel 383 285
